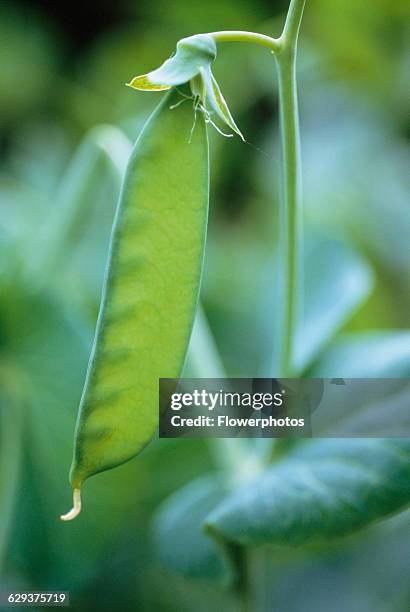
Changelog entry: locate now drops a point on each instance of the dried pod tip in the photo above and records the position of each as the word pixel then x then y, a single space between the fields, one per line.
pixel 76 509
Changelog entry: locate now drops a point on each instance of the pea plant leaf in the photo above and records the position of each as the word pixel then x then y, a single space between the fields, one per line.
pixel 44 354
pixel 359 410
pixel 179 539
pixel 337 281
pixel 380 411
pixel 44 360
pixel 322 490
pixel 80 219
pixel 372 354
pixel 11 438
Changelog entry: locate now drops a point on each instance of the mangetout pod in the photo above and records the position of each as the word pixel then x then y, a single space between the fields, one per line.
pixel 150 291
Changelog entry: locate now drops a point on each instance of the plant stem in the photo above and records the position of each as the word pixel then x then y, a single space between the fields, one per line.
pixel 291 221
pixel 274 44
pixel 289 37
pixel 291 215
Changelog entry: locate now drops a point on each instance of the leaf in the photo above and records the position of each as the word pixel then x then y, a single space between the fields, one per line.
pixel 372 354
pixel 203 360
pixel 11 434
pixel 179 539
pixel 193 53
pixel 359 409
pixel 337 281
pixel 48 352
pixel 322 490
pixel 81 218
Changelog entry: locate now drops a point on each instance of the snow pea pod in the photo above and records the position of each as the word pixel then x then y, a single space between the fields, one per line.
pixel 150 291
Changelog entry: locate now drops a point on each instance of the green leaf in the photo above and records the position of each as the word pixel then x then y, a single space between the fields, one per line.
pixel 193 53
pixel 81 218
pixel 43 360
pixel 337 281
pixel 179 539
pixel 323 489
pixel 358 409
pixel 11 435
pixel 373 354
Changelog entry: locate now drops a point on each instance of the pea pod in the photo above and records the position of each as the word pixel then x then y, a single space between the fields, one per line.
pixel 150 291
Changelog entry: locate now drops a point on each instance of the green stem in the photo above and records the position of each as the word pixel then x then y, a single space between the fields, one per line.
pixel 274 44
pixel 289 37
pixel 291 215
pixel 291 221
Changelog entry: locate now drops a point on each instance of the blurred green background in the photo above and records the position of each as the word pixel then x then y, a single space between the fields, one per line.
pixel 67 124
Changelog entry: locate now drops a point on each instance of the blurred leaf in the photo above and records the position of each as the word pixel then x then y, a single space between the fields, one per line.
pixel 41 149
pixel 356 158
pixel 203 360
pixel 337 281
pixel 76 197
pixel 240 456
pixel 385 178
pixel 355 574
pixel 179 539
pixel 21 211
pixel 11 439
pixel 46 353
pixel 373 354
pixel 359 410
pixel 69 252
pixel 323 489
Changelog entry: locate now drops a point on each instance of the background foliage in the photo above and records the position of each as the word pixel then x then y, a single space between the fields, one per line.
pixel 67 126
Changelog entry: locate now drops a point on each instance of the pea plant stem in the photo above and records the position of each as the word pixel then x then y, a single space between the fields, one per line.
pixel 274 44
pixel 291 215
pixel 289 37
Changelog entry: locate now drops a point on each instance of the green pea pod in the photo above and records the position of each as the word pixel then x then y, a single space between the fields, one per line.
pixel 150 292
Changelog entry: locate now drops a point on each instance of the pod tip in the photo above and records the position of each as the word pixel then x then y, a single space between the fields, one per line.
pixel 76 509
